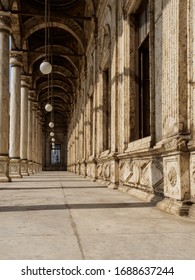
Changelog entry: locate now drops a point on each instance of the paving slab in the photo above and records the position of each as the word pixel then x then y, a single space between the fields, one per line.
pixel 59 215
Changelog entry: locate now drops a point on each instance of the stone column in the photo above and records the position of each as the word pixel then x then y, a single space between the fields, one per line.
pixel 175 129
pixel 24 125
pixel 37 135
pixel 39 140
pixel 114 91
pixel 191 101
pixel 87 129
pixel 98 116
pixel 40 145
pixel 82 137
pixel 5 28
pixel 14 137
pixel 34 132
pixel 30 130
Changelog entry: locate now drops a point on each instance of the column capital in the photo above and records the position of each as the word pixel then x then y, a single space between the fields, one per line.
pixel 5 21
pixel 16 58
pixel 25 81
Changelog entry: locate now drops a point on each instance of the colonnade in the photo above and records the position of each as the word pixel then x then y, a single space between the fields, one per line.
pixel 20 117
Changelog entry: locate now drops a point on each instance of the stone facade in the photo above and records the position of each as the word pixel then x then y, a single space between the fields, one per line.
pixel 160 166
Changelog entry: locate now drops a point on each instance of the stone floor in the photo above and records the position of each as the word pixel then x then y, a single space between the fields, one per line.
pixel 59 215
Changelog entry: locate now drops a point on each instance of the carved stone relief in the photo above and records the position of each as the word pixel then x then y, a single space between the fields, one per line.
pixel 172 176
pixel 145 174
pixel 176 176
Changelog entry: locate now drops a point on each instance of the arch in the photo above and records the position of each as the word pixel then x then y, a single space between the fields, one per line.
pixel 68 25
pixel 35 57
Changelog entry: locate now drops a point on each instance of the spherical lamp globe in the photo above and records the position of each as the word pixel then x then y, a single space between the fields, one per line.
pixel 52 134
pixel 48 107
pixel 51 124
pixel 45 67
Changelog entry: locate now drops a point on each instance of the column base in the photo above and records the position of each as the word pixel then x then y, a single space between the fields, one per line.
pixel 37 167
pixel 15 168
pixel 40 167
pixel 24 167
pixel 30 167
pixel 179 208
pixel 4 170
pixel 34 167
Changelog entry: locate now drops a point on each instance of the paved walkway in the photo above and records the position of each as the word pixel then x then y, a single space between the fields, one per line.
pixel 58 215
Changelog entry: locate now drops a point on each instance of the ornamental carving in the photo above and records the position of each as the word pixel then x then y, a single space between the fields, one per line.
pixel 172 176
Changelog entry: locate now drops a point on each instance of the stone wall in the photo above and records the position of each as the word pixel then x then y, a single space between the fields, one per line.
pixel 161 166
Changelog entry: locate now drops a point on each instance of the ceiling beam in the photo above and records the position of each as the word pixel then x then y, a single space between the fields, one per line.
pixel 55 53
pixel 54 15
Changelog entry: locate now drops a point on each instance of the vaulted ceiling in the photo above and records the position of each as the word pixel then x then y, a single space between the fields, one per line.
pixel 67 44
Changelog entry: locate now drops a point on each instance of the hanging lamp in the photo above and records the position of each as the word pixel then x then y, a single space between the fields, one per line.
pixel 51 124
pixel 45 66
pixel 48 106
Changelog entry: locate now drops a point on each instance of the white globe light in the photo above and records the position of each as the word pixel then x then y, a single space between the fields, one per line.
pixel 48 107
pixel 53 139
pixel 45 67
pixel 51 133
pixel 51 124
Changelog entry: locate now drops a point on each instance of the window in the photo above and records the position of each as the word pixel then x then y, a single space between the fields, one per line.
pixel 56 154
pixel 143 72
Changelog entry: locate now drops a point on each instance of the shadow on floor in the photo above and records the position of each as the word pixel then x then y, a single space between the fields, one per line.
pixel 51 188
pixel 75 206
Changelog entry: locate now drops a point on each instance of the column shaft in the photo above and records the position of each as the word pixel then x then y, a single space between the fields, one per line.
pixel 24 126
pixel 14 137
pixel 5 28
pixel 30 133
pixel 34 144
